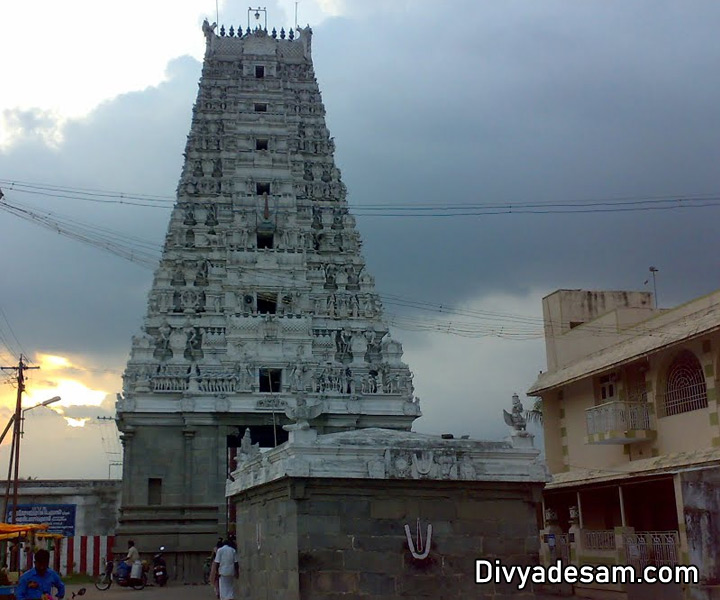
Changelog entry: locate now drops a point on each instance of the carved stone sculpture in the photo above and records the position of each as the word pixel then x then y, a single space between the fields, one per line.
pixel 515 420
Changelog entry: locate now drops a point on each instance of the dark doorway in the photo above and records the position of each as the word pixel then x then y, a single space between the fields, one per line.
pixel 270 380
pixel 259 434
pixel 650 505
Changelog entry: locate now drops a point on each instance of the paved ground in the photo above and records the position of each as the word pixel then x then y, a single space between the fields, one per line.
pixel 173 591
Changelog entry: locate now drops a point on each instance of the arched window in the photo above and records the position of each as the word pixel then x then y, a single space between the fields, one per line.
pixel 685 390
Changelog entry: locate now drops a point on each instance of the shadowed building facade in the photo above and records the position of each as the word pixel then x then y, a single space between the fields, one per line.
pixel 261 309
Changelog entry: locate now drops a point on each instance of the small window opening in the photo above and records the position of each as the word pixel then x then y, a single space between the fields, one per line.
pixel 259 71
pixel 265 240
pixel 267 303
pixel 154 490
pixel 270 380
pixel 262 188
pixel 574 324
pixel 261 107
pixel 607 387
pixel 261 144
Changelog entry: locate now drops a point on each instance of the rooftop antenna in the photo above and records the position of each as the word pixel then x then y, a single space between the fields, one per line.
pixel 296 19
pixel 217 13
pixel 653 270
pixel 256 15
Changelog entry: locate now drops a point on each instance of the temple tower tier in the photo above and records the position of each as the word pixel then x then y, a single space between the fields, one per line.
pixel 262 312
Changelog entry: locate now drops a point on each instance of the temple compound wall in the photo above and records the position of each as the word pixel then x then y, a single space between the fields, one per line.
pixel 379 515
pixel 91 504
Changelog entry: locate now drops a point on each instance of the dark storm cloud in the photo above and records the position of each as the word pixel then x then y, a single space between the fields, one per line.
pixel 488 102
pixel 526 102
pixel 72 297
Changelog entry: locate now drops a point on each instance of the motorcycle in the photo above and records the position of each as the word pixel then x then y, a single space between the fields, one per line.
pixel 160 573
pixel 121 576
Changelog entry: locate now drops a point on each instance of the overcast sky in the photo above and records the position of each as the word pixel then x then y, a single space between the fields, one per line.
pixel 469 102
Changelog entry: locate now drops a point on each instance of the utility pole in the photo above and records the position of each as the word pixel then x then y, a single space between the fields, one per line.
pixel 15 448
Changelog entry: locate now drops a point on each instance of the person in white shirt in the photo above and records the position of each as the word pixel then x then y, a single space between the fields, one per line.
pixel 133 561
pixel 227 569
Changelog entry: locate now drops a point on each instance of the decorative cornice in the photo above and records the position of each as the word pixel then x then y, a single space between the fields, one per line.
pixel 389 454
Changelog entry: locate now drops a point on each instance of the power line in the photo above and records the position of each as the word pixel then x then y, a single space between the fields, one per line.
pixel 439 210
pixel 95 236
pixel 521 323
pixel 148 254
pixel 12 332
pixel 90 192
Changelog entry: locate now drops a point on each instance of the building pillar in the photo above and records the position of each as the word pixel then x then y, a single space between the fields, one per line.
pixel 680 509
pixel 221 476
pixel 127 484
pixel 580 512
pixel 575 540
pixel 189 435
pixel 622 507
pixel 549 537
pixel 621 551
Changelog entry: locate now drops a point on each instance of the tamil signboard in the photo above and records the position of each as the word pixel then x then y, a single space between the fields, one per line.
pixel 59 517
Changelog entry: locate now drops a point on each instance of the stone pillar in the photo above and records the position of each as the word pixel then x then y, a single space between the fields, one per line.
pixel 575 541
pixel 549 538
pixel 127 482
pixel 680 511
pixel 189 435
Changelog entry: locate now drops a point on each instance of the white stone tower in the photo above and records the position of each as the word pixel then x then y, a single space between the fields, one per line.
pixel 261 303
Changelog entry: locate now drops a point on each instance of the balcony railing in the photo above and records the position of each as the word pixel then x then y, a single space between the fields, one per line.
pixel 618 416
pixel 603 539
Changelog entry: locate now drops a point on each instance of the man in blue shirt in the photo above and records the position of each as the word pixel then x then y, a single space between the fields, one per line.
pixel 37 582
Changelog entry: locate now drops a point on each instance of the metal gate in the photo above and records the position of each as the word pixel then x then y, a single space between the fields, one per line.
pixel 656 548
pixel 562 548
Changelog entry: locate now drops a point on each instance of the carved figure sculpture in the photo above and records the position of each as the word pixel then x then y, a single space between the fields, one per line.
pixel 515 420
pixel 302 414
pixel 208 30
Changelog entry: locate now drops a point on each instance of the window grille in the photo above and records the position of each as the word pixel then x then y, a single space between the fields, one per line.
pixel 685 390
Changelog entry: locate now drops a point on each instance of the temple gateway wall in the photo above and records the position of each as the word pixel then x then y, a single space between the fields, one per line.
pixel 382 514
pixel 301 538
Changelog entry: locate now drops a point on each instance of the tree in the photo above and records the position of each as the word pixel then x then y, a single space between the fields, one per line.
pixel 535 414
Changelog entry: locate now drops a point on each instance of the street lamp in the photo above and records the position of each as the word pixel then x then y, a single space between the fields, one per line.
pixel 12 419
pixel 16 458
pixel 46 403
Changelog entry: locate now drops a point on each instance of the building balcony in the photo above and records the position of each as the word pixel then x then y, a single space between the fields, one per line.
pixel 620 423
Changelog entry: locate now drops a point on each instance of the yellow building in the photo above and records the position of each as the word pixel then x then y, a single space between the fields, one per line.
pixel 630 416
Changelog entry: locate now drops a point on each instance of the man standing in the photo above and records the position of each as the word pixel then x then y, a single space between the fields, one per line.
pixel 227 569
pixel 39 581
pixel 213 567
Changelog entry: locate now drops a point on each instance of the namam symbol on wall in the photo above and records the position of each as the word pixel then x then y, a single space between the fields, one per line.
pixel 419 550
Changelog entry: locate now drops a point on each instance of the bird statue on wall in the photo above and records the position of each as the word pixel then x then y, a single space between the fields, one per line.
pixel 515 420
pixel 302 414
